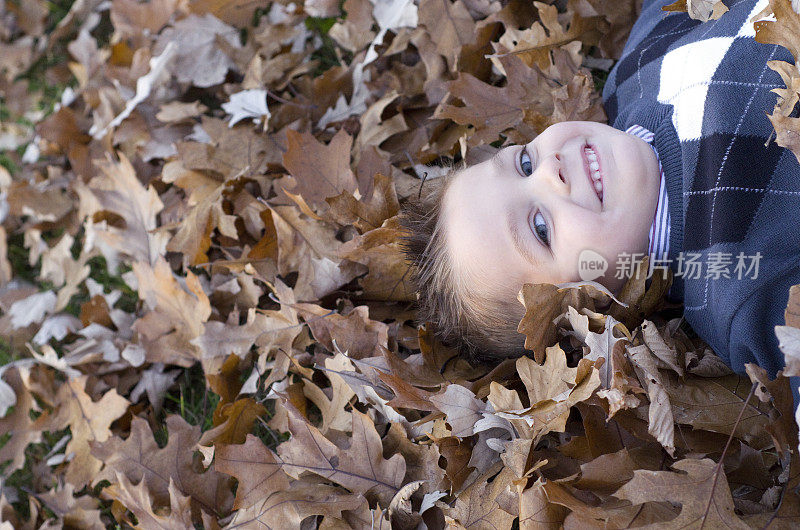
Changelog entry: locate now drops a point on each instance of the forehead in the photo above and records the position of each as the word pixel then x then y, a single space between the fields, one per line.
pixel 475 230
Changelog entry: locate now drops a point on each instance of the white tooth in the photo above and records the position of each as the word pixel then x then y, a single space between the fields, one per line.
pixel 594 165
pixel 596 175
pixel 597 185
pixel 590 155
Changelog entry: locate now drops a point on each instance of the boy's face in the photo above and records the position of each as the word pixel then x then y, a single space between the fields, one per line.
pixel 526 215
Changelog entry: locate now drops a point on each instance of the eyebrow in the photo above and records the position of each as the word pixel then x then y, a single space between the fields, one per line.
pixel 519 243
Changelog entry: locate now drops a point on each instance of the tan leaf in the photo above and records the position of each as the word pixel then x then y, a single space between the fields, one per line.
pixel 288 508
pixel 461 407
pixel 333 407
pixel 481 504
pixel 380 250
pixel 80 512
pixel 543 303
pixel 257 469
pixel 139 459
pixel 176 316
pixel 89 422
pixel 233 421
pixel 366 214
pixel 354 333
pixel 535 511
pixel 137 500
pixel 120 193
pixel 321 171
pixel 699 486
pixel 18 423
pixel 361 468
pixel 661 421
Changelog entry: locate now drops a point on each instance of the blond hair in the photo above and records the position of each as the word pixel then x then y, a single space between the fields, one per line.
pixel 481 323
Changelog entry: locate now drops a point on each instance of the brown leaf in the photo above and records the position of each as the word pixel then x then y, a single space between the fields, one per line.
pixel 354 333
pixel 450 25
pixel 176 316
pixel 366 214
pixel 461 408
pixel 535 511
pixel 137 500
pixel 288 508
pixel 233 421
pixel 139 459
pixel 257 469
pixel 89 422
pixel 699 486
pixel 321 171
pixel 118 191
pixel 543 303
pixel 80 512
pixel 18 423
pixel 481 504
pixel 380 250
pixel 361 468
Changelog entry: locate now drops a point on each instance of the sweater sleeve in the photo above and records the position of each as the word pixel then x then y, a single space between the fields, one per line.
pixel 752 336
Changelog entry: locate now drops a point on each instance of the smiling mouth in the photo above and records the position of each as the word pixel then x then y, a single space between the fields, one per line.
pixel 591 165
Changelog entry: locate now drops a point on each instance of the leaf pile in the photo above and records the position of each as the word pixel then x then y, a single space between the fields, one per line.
pixel 217 190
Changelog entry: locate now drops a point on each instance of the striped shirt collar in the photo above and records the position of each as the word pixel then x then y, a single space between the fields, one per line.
pixel 659 230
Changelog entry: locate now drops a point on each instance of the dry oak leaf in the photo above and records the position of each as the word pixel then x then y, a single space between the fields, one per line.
pixel 545 302
pixel 553 389
pixel 450 25
pixel 366 213
pixel 175 317
pixel 221 339
pixel 360 468
pixel 607 515
pixel 238 13
pixel 714 404
pixel 233 421
pixel 81 512
pixel 702 10
pixel 257 469
pixel 491 110
pixel 320 170
pixel 332 408
pixel 355 333
pixel 131 18
pixel 139 459
pixel 536 512
pixel 481 505
pixel 661 422
pixel 137 500
pixel 200 59
pixel 381 251
pixel 422 460
pixel 119 192
pixel 205 213
pixel 534 44
pixel 89 422
pixel 17 424
pixel 699 486
pixel 302 498
pixel 461 407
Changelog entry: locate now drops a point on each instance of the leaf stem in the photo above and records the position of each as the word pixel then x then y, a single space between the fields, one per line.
pixel 725 450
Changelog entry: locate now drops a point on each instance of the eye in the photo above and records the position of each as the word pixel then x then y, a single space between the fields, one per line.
pixel 540 227
pixel 525 162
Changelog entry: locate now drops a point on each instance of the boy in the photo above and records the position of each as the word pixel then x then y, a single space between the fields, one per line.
pixel 683 173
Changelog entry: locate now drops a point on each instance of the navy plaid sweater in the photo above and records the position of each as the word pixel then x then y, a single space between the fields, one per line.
pixel 703 89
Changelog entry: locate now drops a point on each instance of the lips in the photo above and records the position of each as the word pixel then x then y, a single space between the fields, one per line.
pixel 589 155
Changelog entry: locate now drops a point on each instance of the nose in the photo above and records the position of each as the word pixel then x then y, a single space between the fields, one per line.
pixel 552 171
